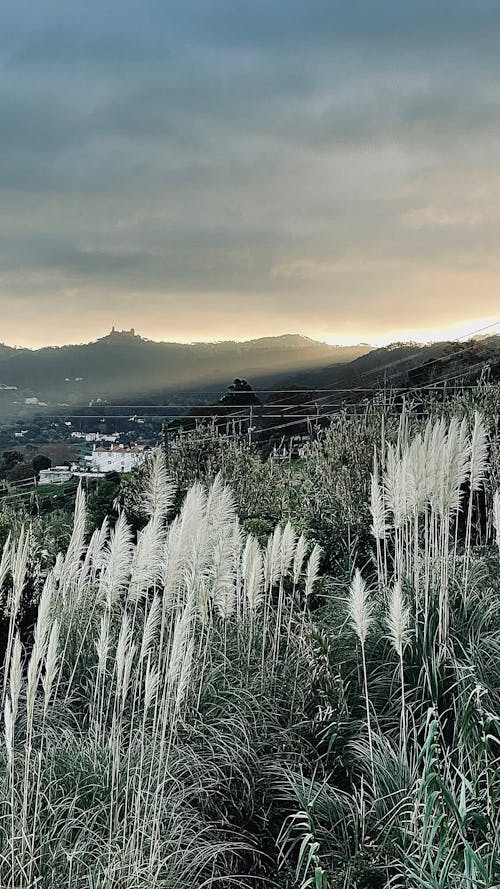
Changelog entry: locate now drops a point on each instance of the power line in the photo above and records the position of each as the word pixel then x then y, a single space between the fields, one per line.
pixel 449 356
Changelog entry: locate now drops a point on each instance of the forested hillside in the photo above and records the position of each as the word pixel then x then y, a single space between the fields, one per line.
pixel 125 366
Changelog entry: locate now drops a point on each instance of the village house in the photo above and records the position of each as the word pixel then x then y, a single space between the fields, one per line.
pixel 117 458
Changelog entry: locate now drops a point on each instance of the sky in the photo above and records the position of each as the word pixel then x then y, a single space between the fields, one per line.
pixel 218 169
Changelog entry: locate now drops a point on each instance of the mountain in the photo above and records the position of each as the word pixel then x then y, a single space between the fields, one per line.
pixel 123 366
pixel 123 370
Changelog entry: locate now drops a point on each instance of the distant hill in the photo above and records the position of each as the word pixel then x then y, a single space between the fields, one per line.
pixel 406 367
pixel 123 366
pixel 124 369
pixel 411 364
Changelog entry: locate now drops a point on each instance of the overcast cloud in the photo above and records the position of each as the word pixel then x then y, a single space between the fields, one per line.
pixel 226 169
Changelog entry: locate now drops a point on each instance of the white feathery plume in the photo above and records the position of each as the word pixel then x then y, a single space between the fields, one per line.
pixel 201 594
pixel 360 607
pixel 151 685
pixel 247 555
pixel 5 561
pixel 272 561
pixel 268 561
pixel 84 574
pixel 416 478
pixel 127 672
pixel 32 678
pixel 103 643
pixel 172 563
pixel 312 569
pixel 398 619
pixel 151 626
pixel 478 453
pixel 16 675
pixel 193 545
pixel 222 572
pixel 118 558
pixel 123 648
pixel 395 486
pixel 74 552
pixel 220 507
pixel 238 538
pixel 51 659
pixel 40 638
pixel 288 539
pixel 299 556
pixel 196 571
pixel 19 564
pixel 252 571
pixel 185 674
pixel 276 554
pixel 478 465
pixel 193 512
pixel 180 638
pixel 377 506
pixel 454 467
pixel 147 562
pixel 434 447
pixel 159 490
pixel 100 549
pixel 42 625
pixel 18 567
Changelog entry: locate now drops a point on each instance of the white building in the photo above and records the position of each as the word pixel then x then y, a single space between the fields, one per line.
pixel 96 436
pixel 56 475
pixel 115 459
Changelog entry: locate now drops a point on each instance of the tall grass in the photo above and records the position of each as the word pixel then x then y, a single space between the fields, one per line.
pixel 198 707
pixel 103 765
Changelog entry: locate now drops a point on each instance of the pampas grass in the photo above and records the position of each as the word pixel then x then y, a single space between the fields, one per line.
pixel 360 609
pixel 158 489
pixel 398 631
pixel 187 712
pixel 477 474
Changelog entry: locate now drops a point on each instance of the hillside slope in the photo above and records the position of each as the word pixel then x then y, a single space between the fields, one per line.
pixel 124 366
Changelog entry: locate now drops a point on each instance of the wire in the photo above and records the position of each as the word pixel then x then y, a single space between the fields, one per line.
pixel 448 356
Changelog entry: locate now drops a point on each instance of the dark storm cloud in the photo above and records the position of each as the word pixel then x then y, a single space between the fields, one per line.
pixel 305 159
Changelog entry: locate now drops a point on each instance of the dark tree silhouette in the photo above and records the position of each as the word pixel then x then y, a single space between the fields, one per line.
pixel 240 392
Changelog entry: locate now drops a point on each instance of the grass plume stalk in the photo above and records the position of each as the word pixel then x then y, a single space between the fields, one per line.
pixel 360 610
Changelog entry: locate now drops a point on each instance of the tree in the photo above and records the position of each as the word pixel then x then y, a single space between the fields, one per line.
pixel 10 458
pixel 41 462
pixel 240 393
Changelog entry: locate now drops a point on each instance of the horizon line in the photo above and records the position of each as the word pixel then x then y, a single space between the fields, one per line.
pixel 394 337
